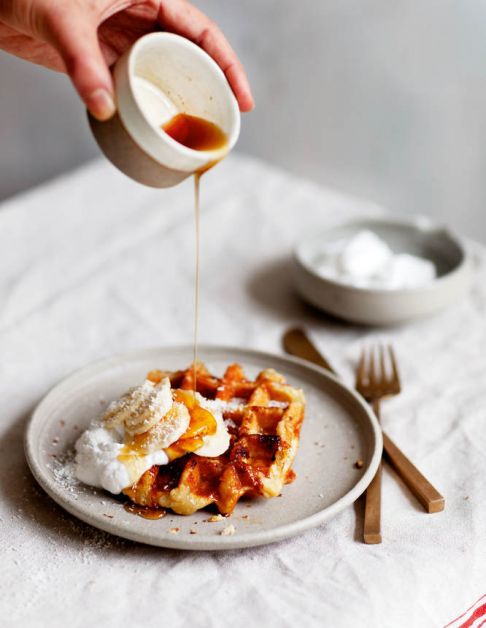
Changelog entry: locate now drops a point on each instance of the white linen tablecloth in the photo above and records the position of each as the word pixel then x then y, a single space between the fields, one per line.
pixel 93 264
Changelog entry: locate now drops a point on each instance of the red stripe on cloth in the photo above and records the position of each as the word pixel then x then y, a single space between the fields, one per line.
pixel 478 613
pixel 465 613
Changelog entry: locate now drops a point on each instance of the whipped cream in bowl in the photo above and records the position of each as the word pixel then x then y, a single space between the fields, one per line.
pixel 141 429
pixel 365 260
pixel 382 271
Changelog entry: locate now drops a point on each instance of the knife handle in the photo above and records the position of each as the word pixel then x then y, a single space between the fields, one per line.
pixel 427 495
pixel 372 516
pixel 372 513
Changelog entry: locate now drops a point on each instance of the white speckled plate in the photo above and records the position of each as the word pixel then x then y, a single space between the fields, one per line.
pixel 338 429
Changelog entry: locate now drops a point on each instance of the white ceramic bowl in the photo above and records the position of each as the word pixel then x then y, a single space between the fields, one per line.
pixel 379 306
pixel 162 75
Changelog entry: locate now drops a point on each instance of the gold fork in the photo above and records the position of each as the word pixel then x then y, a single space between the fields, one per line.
pixel 374 386
pixel 296 342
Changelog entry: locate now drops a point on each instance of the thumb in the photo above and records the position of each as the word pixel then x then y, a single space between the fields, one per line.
pixel 75 38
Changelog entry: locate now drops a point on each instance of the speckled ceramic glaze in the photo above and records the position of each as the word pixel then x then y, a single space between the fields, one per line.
pixel 338 430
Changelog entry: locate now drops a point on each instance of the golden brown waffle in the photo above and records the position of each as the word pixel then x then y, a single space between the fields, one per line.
pixel 263 416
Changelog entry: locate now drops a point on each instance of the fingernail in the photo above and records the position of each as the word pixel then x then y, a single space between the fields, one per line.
pixel 101 104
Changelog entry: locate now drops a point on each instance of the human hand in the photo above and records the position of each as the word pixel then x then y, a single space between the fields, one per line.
pixel 84 37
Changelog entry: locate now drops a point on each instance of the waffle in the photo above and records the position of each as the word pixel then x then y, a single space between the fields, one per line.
pixel 263 417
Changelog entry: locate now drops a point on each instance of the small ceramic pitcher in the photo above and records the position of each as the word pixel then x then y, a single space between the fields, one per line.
pixel 160 76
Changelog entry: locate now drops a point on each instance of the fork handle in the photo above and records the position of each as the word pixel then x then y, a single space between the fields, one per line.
pixel 372 515
pixel 427 495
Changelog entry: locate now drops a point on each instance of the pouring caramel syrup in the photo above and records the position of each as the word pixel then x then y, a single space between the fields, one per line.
pixel 202 135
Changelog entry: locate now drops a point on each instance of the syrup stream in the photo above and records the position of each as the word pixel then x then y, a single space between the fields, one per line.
pixel 198 134
pixel 197 180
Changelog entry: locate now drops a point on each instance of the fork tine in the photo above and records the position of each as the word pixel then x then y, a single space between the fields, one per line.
pixel 372 371
pixel 383 375
pixel 396 377
pixel 360 373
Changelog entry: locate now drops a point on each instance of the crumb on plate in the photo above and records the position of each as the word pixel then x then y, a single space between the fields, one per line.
pixel 215 518
pixel 228 531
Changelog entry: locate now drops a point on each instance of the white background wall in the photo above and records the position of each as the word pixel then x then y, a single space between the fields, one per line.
pixel 384 99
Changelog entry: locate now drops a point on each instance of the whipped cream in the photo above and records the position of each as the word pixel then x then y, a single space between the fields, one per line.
pixel 366 261
pixel 98 461
pixel 115 451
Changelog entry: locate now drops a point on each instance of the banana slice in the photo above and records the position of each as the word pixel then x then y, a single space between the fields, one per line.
pixel 135 466
pixel 139 409
pixel 164 433
pixel 217 443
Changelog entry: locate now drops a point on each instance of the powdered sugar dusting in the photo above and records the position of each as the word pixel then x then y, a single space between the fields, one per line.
pixel 64 471
pixel 140 408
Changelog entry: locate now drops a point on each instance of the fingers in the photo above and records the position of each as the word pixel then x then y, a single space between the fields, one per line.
pixel 75 38
pixel 212 40
pixel 182 18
